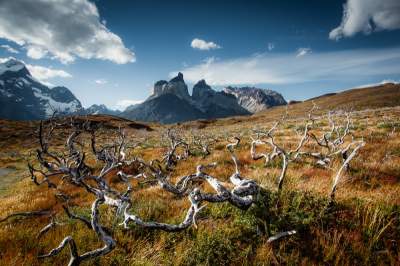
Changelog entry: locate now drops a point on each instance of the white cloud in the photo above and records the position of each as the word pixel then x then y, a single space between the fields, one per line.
pixel 9 49
pixel 285 68
pixel 271 46
pixel 63 29
pixel 101 81
pixel 303 51
pixel 203 45
pixel 367 16
pixel 44 74
pixel 35 52
pixel 122 104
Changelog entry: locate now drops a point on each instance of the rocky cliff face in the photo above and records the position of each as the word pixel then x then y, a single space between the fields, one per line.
pixel 254 99
pixel 176 86
pixel 24 98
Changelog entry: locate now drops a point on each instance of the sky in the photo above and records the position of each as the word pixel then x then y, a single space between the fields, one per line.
pixel 112 52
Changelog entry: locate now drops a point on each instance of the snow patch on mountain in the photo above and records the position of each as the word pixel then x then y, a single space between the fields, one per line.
pixel 11 65
pixel 50 105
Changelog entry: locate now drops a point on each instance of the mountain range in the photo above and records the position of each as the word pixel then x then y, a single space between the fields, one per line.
pixel 22 97
pixel 170 102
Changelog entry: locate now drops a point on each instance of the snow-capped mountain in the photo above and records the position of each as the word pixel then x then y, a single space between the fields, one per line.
pixel 254 99
pixel 24 98
pixel 97 109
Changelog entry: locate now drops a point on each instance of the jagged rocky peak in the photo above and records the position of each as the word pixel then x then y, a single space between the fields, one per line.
pixel 176 86
pixel 201 89
pixel 256 99
pixel 178 78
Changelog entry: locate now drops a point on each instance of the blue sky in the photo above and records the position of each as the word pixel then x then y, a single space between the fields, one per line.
pixel 112 52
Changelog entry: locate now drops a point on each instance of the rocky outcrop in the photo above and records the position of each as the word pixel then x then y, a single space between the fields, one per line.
pixel 254 99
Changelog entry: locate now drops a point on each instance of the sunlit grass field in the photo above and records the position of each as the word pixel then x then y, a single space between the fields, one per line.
pixel 363 228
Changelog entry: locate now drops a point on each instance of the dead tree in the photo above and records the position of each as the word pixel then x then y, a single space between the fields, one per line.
pixel 268 138
pixel 58 169
pixel 171 157
pixel 356 146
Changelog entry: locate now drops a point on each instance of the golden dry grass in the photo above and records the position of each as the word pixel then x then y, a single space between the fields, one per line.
pixel 363 228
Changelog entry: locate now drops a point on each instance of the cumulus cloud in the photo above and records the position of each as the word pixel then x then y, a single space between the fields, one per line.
pixel 122 104
pixel 62 29
pixel 101 81
pixel 36 52
pixel 286 68
pixel 44 74
pixel 203 45
pixel 9 49
pixel 367 16
pixel 303 51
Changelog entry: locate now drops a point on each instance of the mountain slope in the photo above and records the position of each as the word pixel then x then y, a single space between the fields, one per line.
pixel 24 98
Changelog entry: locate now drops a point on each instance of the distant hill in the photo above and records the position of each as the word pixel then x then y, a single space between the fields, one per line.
pixel 386 95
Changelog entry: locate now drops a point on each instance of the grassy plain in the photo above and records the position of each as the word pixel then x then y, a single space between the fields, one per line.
pixel 363 228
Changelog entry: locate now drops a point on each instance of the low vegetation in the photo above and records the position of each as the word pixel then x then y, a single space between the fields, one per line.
pixel 302 185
